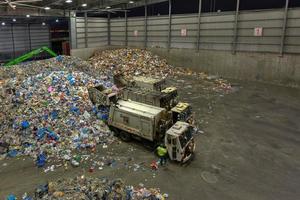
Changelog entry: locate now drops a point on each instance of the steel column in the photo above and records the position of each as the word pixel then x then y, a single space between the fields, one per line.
pixel 70 32
pixel 126 29
pixel 108 30
pixel 199 24
pixel 85 29
pixel 170 25
pixel 29 36
pixel 146 25
pixel 75 32
pixel 285 18
pixel 235 36
pixel 13 39
pixel 49 36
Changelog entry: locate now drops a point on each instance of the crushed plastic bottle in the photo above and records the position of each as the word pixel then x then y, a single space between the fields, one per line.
pixel 41 160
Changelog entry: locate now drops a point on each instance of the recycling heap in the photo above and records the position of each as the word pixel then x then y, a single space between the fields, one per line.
pixel 45 111
pixel 139 62
pixel 132 62
pixel 95 188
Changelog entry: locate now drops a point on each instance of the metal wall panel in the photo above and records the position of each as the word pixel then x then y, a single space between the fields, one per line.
pixel 136 24
pixel 6 43
pixel 216 32
pixel 39 36
pixel 21 39
pixel 117 29
pixel 158 31
pixel 271 21
pixel 91 33
pixel 292 38
pixel 17 39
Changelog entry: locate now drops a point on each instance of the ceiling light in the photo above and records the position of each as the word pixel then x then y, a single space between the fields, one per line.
pixel 108 7
pixel 56 20
pixel 43 23
pixel 47 8
pixel 14 20
pixel 131 1
pixel 3 23
pixel 27 15
pixel 84 5
pixel 68 1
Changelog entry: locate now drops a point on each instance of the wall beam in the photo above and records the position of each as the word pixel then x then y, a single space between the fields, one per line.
pixel 236 19
pixel 170 25
pixel 199 24
pixel 85 29
pixel 146 25
pixel 29 36
pixel 126 29
pixel 283 33
pixel 13 39
pixel 108 30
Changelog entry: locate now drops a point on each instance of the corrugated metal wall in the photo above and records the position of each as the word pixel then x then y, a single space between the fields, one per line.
pixel 217 31
pixel 17 39
pixel 117 29
pixel 92 32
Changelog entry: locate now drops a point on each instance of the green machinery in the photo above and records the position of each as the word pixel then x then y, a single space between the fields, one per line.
pixel 30 55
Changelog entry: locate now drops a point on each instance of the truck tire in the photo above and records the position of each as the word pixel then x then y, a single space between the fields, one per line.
pixel 126 137
pixel 115 131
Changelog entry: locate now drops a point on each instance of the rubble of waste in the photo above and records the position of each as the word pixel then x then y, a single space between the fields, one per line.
pixel 82 187
pixel 49 115
pixel 45 111
pixel 139 62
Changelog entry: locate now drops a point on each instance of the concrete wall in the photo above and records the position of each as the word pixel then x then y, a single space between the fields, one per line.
pixel 267 67
pixel 242 65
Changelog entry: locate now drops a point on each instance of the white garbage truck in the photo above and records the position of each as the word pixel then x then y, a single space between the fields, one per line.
pixel 130 119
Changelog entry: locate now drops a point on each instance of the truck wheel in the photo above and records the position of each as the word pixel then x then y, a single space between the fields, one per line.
pixel 115 131
pixel 126 137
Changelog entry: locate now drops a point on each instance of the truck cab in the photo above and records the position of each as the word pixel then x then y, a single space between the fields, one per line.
pixel 179 142
pixel 182 112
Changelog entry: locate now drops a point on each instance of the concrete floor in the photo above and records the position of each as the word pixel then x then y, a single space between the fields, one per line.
pixel 250 149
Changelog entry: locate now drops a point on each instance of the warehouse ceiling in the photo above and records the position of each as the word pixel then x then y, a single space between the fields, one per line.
pixel 55 7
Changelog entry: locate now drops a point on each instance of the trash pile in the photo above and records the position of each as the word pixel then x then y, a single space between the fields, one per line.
pixel 45 111
pixel 132 62
pixel 32 68
pixel 138 62
pixel 49 115
pixel 93 188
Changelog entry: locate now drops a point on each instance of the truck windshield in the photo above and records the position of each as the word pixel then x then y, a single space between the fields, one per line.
pixel 185 114
pixel 185 137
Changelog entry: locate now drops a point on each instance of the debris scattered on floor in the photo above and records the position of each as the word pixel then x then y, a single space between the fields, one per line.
pixel 93 188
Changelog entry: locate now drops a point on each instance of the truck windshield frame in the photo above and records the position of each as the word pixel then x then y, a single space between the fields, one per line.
pixel 185 137
pixel 186 114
